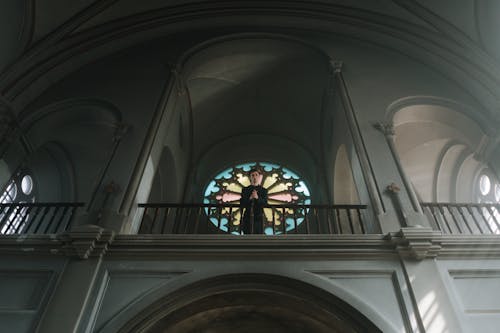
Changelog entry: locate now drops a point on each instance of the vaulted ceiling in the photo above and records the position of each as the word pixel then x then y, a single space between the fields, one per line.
pixel 256 73
pixel 39 37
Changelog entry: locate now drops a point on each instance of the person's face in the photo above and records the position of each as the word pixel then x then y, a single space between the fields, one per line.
pixel 255 178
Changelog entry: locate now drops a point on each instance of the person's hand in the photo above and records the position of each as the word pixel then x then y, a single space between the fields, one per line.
pixel 254 195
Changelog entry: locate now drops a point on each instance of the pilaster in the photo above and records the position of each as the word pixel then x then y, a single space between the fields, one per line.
pixel 86 246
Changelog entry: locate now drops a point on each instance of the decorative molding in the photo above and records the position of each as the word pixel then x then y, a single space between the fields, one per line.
pixel 258 247
pixel 394 291
pixel 29 290
pixel 387 128
pixel 416 242
pixel 412 242
pixel 337 66
pixel 86 241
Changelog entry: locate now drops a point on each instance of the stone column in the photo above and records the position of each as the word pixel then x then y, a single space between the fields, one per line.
pixel 368 174
pixel 151 148
pixel 416 216
pixel 388 130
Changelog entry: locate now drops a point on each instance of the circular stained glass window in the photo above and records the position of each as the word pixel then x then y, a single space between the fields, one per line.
pixel 284 188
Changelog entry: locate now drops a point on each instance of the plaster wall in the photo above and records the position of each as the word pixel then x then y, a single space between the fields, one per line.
pixel 396 295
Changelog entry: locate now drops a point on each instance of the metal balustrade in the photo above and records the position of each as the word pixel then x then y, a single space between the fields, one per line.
pixel 464 218
pixel 167 218
pixel 36 218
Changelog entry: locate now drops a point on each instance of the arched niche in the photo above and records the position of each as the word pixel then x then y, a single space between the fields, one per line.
pixel 245 148
pixel 164 187
pixel 83 128
pixel 249 303
pixel 264 93
pixel 344 187
pixel 449 165
pixel 53 173
pixel 433 140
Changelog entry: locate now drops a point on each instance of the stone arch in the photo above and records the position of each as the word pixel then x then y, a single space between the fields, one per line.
pixel 222 155
pixel 53 172
pixel 269 303
pixel 434 137
pixel 84 129
pixel 259 74
pixel 165 187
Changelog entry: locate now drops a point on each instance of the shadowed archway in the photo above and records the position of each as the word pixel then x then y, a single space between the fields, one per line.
pixel 250 303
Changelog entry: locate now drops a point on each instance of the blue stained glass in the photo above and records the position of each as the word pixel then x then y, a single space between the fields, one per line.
pixel 269 231
pixel 211 188
pixel 287 174
pixel 302 188
pixel 269 166
pixel 246 167
pixel 225 186
pixel 223 224
pixel 226 174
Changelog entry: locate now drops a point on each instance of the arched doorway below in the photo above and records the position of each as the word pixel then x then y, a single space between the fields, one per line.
pixel 250 303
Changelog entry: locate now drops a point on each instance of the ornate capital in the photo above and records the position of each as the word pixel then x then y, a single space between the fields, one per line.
pixel 386 128
pixel 336 65
pixel 86 241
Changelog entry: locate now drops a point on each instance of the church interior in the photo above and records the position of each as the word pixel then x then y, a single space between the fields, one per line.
pixel 128 130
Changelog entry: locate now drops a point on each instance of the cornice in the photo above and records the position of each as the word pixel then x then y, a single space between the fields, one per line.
pixel 21 245
pixel 412 243
pixel 290 247
pixel 61 46
pixel 469 247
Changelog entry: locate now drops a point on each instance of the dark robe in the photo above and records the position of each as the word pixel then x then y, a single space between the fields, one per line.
pixel 253 215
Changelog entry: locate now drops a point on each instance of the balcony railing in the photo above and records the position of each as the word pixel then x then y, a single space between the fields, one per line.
pixel 463 218
pixel 166 218
pixel 36 218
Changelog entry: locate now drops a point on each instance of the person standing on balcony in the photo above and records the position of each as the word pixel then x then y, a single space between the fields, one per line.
pixel 253 199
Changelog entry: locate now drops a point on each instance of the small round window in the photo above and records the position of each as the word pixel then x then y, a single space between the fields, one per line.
pixel 27 184
pixel 484 184
pixel 19 189
pixel 488 187
pixel 284 187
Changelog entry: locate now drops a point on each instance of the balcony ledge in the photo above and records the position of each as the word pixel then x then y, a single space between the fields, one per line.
pixel 96 242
